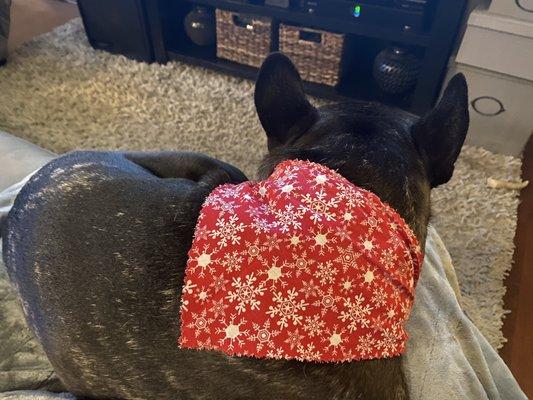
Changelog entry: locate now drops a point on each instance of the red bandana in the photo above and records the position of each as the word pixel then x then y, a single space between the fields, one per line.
pixel 304 265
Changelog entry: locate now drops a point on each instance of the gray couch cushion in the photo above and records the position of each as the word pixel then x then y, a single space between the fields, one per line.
pixel 19 158
pixel 23 363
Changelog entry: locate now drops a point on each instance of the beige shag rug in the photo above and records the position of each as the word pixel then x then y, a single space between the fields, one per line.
pixel 59 93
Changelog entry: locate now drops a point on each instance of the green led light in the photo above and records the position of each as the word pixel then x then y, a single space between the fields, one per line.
pixel 357 11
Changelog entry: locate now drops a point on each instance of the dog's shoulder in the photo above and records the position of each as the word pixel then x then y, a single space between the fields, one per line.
pixel 85 196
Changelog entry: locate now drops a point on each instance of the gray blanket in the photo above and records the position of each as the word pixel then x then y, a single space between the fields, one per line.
pixel 447 357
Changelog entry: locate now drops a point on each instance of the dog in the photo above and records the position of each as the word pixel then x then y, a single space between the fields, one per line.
pixel 96 244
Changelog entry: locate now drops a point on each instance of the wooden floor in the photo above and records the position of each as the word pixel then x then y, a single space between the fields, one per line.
pixel 518 327
pixel 33 17
pixel 30 18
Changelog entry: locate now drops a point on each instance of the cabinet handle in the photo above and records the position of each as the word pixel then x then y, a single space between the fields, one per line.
pixel 475 106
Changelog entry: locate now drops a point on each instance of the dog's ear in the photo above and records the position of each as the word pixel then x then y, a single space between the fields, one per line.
pixel 280 101
pixel 440 134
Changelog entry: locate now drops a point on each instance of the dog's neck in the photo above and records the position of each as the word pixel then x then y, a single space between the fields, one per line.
pixel 415 215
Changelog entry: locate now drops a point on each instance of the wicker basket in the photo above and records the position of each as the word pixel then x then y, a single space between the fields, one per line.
pixel 243 38
pixel 317 54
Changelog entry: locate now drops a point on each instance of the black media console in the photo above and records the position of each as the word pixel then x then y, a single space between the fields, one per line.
pixel 153 31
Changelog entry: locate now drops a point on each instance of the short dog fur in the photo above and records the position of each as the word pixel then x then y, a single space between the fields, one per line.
pixel 97 242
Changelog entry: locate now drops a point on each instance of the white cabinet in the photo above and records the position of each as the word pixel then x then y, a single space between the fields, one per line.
pixel 501 110
pixel 522 9
pixel 496 56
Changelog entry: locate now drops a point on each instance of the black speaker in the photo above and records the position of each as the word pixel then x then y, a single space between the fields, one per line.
pixel 117 26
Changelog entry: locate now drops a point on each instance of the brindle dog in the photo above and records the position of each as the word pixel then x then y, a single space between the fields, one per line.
pixel 97 242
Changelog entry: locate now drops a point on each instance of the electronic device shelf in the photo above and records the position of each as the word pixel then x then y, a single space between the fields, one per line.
pixel 153 30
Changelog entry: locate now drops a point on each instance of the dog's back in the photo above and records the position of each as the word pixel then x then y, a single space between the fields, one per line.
pixel 96 245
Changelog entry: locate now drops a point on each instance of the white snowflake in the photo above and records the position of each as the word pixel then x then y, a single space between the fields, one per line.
pixel 301 263
pixel 311 289
pixel 253 251
pixel 287 218
pixel 220 203
pixel 366 344
pixel 262 335
pixel 373 222
pixel 260 222
pixel 334 339
pixel 326 272
pixel 189 286
pixel 261 225
pixel 200 323
pixel 232 261
pixel 276 354
pixel 202 294
pixel 379 297
pixel 285 186
pixel 219 283
pixel 406 269
pixel 328 302
pixel 354 198
pixel 405 309
pixel 219 308
pixel 388 259
pixel 231 192
pixel 232 332
pixel 368 245
pixel 343 234
pixel 229 206
pixel 202 231
pixel 395 241
pixel 322 239
pixel 313 325
pixel 228 231
pixel 356 313
pixel 294 339
pixel 257 211
pixel 273 242
pixel 379 323
pixel 309 353
pixel 347 256
pixel 388 343
pixel 287 308
pixel 319 206
pixel 276 275
pixel 245 293
pixel 203 261
pixel 347 285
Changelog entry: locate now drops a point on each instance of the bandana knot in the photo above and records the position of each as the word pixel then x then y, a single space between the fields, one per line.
pixel 303 265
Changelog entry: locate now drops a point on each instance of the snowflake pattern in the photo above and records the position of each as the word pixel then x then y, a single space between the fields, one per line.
pixel 246 293
pixel 287 308
pixel 228 231
pixel 356 313
pixel 314 325
pixel 304 265
pixel 262 335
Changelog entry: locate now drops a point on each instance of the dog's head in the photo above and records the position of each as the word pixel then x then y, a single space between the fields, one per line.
pixel 391 152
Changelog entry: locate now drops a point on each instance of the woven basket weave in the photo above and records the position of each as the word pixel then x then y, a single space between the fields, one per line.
pixel 316 53
pixel 243 38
